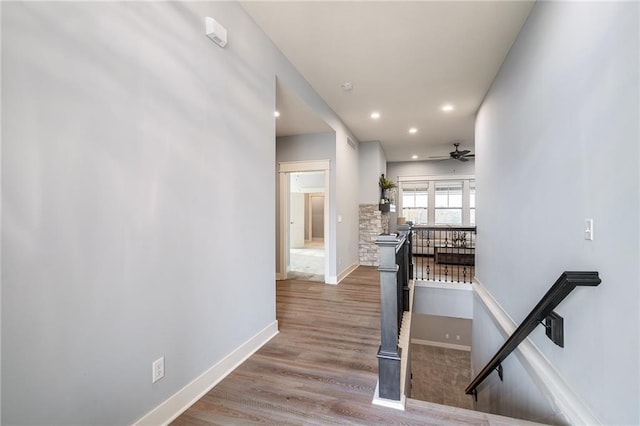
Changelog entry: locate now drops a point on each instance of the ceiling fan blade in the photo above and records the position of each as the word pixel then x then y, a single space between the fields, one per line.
pixel 465 152
pixel 463 159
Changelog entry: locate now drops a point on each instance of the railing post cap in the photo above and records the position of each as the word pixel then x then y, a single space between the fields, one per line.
pixel 387 239
pixel 404 227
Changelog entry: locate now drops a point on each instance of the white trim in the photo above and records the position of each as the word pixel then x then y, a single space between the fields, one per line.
pixel 284 226
pixel 176 404
pixel 404 340
pixel 284 168
pixel 440 344
pixel 303 166
pixel 389 403
pixel 435 177
pixel 551 384
pixel 344 274
pixel 328 241
pixel 448 285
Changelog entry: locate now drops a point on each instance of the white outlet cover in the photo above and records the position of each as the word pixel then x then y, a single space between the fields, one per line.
pixel 157 370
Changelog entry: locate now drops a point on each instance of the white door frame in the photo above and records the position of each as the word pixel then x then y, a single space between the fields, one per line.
pixel 284 170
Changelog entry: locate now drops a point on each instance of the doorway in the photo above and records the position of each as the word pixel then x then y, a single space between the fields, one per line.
pixel 306 256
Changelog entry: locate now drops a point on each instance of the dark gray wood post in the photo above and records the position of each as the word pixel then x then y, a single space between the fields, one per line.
pixel 389 352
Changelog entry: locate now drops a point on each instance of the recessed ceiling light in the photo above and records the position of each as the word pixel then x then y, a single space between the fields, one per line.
pixel 413 130
pixel 276 114
pixel 447 108
pixel 375 115
pixel 414 157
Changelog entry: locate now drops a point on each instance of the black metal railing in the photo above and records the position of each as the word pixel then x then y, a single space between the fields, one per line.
pixel 543 311
pixel 395 272
pixel 444 253
pixel 402 277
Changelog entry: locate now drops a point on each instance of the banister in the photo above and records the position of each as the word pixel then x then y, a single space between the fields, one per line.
pixel 394 276
pixel 542 311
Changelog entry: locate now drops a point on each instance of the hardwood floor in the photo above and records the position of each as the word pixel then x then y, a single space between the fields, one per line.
pixel 322 367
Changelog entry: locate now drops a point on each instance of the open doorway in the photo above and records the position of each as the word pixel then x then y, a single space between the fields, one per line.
pixel 306 226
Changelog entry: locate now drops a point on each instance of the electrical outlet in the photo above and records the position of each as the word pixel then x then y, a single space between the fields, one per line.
pixel 157 370
pixel 446 336
pixel 457 337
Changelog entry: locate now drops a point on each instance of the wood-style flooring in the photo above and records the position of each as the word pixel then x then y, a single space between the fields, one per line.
pixel 321 369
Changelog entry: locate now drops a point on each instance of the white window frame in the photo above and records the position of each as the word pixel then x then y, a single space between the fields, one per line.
pixel 401 201
pixel 431 181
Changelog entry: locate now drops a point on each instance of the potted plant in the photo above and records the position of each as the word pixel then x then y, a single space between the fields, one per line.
pixel 385 185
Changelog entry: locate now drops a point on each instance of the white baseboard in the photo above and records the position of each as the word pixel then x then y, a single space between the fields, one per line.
pixel 553 386
pixel 442 284
pixel 170 409
pixel 331 279
pixel 441 344
pixel 389 403
pixel 344 274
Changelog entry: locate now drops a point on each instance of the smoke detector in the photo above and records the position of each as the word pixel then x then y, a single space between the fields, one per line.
pixel 347 86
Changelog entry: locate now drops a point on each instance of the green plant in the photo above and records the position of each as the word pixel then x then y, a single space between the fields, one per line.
pixel 385 183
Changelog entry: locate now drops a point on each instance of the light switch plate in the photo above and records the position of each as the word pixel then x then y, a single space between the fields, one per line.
pixel 588 229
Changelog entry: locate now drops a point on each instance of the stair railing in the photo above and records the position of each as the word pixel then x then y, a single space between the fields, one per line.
pixel 553 322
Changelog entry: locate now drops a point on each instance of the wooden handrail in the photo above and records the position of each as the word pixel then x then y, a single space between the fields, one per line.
pixel 556 294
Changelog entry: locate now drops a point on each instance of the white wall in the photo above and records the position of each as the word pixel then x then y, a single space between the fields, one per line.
pixel 134 152
pixel 307 182
pixel 438 330
pixel 372 162
pixel 448 300
pixel 429 168
pixel 557 141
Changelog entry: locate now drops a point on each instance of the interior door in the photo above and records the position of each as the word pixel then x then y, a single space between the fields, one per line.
pixel 296 220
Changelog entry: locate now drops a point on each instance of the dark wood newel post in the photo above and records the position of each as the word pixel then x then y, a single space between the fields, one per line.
pixel 389 352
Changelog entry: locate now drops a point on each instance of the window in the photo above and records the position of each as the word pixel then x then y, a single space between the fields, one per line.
pixel 438 200
pixel 472 202
pixel 415 202
pixel 448 203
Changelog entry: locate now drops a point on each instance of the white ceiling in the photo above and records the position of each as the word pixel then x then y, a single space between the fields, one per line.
pixel 404 59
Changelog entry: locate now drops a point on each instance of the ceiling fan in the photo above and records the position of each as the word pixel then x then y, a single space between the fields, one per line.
pixel 456 155
pixel 461 155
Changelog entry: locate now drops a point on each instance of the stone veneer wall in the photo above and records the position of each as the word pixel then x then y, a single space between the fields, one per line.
pixel 372 223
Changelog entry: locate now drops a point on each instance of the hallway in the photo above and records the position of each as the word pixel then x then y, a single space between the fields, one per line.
pixel 321 368
pixel 307 263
